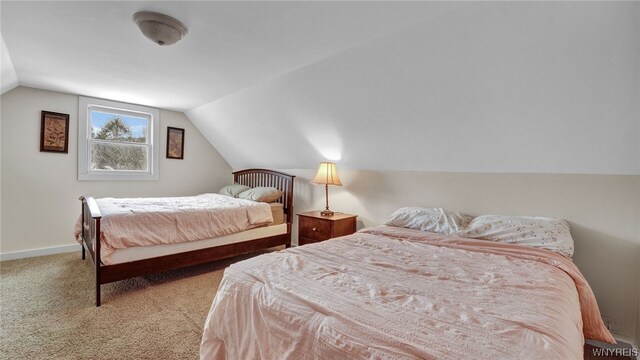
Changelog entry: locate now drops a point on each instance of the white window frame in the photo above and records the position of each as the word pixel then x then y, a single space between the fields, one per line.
pixel 84 137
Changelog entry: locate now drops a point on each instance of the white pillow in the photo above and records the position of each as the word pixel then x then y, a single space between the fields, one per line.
pixel 261 194
pixel 233 190
pixel 543 232
pixel 428 219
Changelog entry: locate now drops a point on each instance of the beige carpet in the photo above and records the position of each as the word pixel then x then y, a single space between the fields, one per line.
pixel 47 311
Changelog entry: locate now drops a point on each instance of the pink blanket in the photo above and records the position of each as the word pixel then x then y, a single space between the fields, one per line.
pixel 391 293
pixel 150 221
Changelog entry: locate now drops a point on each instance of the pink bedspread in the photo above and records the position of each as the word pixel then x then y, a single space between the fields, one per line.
pixel 129 222
pixel 391 293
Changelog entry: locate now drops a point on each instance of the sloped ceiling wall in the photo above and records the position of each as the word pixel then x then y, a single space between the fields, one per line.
pixel 493 87
pixel 8 77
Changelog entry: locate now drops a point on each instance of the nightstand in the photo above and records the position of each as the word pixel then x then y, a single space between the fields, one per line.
pixel 313 227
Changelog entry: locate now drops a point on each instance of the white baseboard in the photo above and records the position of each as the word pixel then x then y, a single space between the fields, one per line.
pixel 40 252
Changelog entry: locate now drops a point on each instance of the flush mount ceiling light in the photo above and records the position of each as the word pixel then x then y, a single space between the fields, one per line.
pixel 159 28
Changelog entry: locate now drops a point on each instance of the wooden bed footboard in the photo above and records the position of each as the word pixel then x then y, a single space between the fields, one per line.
pixel 90 233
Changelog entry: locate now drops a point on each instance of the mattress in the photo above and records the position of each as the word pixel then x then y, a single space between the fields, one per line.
pixel 278 227
pixel 129 223
pixel 392 293
pixel 277 211
pixel 146 252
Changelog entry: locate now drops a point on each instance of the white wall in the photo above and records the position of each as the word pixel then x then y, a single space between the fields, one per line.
pixel 602 210
pixel 8 77
pixel 533 87
pixel 40 190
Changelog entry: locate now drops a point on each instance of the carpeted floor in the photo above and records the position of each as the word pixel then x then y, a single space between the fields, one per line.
pixel 47 311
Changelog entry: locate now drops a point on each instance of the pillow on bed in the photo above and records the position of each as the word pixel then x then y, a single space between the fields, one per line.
pixel 428 219
pixel 233 190
pixel 543 232
pixel 261 194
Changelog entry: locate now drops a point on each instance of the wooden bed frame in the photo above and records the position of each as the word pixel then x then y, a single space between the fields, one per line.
pixel 109 273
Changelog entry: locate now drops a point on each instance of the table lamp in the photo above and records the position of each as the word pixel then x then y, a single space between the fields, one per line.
pixel 327 175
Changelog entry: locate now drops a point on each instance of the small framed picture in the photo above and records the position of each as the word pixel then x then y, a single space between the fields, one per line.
pixel 54 132
pixel 175 143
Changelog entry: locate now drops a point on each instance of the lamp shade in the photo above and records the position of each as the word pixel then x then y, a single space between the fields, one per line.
pixel 327 175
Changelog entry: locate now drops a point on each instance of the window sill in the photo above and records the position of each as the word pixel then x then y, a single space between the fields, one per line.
pixel 118 177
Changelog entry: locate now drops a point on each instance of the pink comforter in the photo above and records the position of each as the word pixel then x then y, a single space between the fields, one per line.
pixel 391 293
pixel 129 222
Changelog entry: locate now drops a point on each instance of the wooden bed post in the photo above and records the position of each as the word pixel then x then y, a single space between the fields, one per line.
pixel 90 234
pixel 289 221
pixel 97 262
pixel 82 229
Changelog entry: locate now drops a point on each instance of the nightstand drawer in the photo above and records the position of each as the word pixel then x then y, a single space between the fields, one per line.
pixel 316 230
pixel 314 227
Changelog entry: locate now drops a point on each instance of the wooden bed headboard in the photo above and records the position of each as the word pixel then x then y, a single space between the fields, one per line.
pixel 276 179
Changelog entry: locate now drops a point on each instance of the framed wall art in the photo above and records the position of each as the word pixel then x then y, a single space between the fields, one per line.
pixel 54 132
pixel 175 143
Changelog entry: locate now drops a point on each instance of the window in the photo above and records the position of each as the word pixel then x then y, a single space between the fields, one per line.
pixel 117 141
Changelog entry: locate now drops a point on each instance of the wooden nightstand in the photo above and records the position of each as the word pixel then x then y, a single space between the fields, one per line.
pixel 313 227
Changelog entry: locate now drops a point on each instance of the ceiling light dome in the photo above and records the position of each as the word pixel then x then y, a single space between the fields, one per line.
pixel 159 28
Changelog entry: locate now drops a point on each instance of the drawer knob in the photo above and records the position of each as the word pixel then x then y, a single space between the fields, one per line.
pixel 314 229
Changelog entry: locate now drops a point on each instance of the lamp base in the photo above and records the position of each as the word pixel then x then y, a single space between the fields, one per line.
pixel 327 212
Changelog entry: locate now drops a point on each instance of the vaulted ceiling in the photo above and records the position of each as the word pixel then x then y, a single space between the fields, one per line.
pixel 94 48
pixel 434 86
